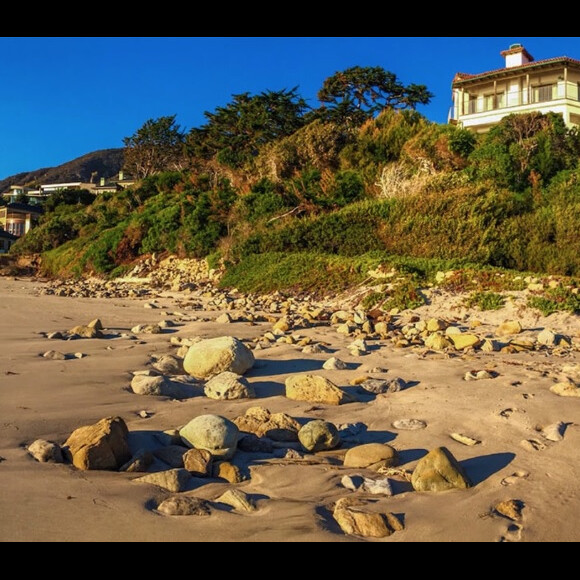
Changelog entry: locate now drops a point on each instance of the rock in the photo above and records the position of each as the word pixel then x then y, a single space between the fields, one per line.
pixel 319 436
pixel 100 447
pixel 566 389
pixel 229 472
pixel 378 487
pixel 174 480
pixel 185 507
pixel 210 358
pixel 250 443
pixel 54 355
pixel 169 365
pixel 465 341
pixel 277 427
pixel 215 434
pixel 355 522
pixel 314 389
pixel 224 319
pixel 547 338
pixel 379 387
pixel 410 425
pixel 171 455
pixel 147 329
pixel 511 510
pixel 229 387
pixel 46 452
pixel 373 456
pixel 238 500
pixel 436 325
pixel 335 364
pixel 439 471
pixel 555 433
pixel 464 440
pixel 149 386
pixel 140 463
pixel 352 483
pixel 509 328
pixel 198 462
pixel 86 332
pixel 96 324
pixel 478 376
pixel 438 341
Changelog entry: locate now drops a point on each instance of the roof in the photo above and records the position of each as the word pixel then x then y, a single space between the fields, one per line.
pixel 465 78
pixel 22 207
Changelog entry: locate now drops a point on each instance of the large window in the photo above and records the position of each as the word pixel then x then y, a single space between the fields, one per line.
pixel 544 93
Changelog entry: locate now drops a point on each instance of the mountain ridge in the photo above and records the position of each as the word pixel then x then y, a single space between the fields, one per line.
pixel 105 163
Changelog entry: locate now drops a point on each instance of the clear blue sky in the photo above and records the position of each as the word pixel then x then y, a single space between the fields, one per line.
pixel 64 97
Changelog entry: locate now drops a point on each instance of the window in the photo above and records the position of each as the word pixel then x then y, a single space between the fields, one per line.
pixel 472 105
pixel 544 94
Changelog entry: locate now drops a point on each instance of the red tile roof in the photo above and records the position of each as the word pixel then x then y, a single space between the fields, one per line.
pixel 465 77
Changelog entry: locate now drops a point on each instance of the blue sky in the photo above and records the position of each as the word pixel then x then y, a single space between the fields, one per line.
pixel 64 97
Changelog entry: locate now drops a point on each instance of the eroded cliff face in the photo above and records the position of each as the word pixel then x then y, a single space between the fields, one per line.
pixel 25 266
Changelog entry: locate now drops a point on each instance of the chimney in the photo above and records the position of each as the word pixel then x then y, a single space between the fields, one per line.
pixel 102 182
pixel 121 176
pixel 516 56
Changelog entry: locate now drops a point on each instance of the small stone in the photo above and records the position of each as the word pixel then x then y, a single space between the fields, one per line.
pixel 54 355
pixel 318 436
pixel 465 341
pixel 354 522
pixel 379 387
pixel 238 500
pixel 46 452
pixel 229 472
pixel 511 510
pixel 229 387
pixel 547 338
pixel 464 440
pixel 378 487
pixel 185 507
pixel 215 434
pixel 555 433
pixel 566 389
pixel 353 483
pixel 198 462
pixel 410 425
pixel 509 328
pixel 315 389
pixel 174 481
pixel 335 364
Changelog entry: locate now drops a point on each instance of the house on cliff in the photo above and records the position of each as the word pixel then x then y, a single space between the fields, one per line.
pixel 524 85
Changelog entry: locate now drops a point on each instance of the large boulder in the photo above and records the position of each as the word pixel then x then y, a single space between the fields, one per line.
pixel 229 387
pixel 209 358
pixel 215 434
pixel 439 471
pixel 100 447
pixel 318 436
pixel 315 389
pixel 277 427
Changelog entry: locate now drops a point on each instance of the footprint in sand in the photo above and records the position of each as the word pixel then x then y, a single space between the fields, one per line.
pixel 514 534
pixel 515 478
pixel 533 445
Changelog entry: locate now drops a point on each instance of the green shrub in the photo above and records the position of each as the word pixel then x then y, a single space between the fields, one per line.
pixel 486 301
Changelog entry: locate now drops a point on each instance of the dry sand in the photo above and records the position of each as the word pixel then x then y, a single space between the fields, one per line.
pixel 43 399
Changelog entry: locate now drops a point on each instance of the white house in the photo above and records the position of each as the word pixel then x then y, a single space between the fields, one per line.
pixel 524 85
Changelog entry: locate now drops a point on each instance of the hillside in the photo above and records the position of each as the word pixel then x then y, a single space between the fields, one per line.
pixel 106 163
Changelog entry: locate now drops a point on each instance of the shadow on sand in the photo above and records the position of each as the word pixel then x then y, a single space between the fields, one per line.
pixel 480 469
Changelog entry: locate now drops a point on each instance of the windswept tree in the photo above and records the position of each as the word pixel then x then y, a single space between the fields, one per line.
pixel 234 134
pixel 155 148
pixel 361 93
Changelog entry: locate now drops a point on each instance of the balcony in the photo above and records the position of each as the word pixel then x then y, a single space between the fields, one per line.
pixel 507 102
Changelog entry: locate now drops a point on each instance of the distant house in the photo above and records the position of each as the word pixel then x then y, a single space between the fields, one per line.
pixel 6 241
pixel 18 219
pixel 524 85
pixel 114 185
pixel 18 192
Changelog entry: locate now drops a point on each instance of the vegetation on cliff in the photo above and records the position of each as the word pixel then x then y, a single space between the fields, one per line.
pixel 287 195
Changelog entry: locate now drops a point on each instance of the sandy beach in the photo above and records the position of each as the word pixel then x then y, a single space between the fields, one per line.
pixel 519 445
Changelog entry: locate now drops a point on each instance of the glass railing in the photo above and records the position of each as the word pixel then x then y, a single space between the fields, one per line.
pixel 534 96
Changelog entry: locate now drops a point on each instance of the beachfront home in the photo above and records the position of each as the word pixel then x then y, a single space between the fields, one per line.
pixel 6 241
pixel 18 219
pixel 524 85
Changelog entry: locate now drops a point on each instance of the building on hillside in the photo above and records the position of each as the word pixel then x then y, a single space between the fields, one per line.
pixel 17 192
pixel 524 85
pixel 114 185
pixel 6 241
pixel 18 219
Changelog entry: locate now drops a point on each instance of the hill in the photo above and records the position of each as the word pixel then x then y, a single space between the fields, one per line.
pixel 106 163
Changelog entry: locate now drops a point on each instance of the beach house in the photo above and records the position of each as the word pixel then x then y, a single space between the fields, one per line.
pixel 523 85
pixel 17 219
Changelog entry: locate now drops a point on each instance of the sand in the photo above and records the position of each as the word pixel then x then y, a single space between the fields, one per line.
pixel 48 400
